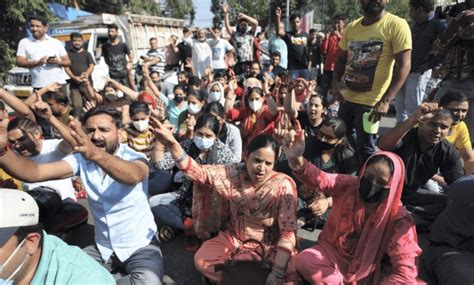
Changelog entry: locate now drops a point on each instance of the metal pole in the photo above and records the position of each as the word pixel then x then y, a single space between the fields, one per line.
pixel 287 10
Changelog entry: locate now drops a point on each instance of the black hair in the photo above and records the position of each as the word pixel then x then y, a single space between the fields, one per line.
pixel 275 53
pixel 444 113
pixel 255 62
pixel 219 74
pixel 218 109
pixel 152 39
pixel 426 5
pixel 323 102
pixel 337 125
pixel 75 35
pixel 294 16
pixel 109 84
pixel 182 87
pixel 263 141
pixel 112 26
pixel 38 18
pixel 59 97
pixel 139 107
pixel 257 90
pixel 23 124
pixel 210 121
pixel 184 72
pixel 313 31
pixel 377 158
pixel 185 30
pixel 112 112
pixel 201 95
pixel 22 232
pixel 154 71
pixel 194 80
pixel 339 18
pixel 449 97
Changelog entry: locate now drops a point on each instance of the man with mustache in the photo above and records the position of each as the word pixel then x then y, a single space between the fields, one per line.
pixel 425 151
pixel 372 65
pixel 115 178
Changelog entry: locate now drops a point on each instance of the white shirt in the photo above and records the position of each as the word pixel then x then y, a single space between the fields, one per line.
pixel 34 49
pixel 219 49
pixel 202 57
pixel 123 219
pixel 50 153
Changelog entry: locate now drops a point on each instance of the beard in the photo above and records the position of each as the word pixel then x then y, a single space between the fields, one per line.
pixel 110 148
pixel 373 8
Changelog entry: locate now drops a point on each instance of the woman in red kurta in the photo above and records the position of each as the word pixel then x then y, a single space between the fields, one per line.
pixel 367 221
pixel 262 207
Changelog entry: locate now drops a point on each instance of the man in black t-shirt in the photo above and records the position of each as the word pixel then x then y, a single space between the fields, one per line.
pixel 297 42
pixel 185 48
pixel 115 54
pixel 425 152
pixel 80 70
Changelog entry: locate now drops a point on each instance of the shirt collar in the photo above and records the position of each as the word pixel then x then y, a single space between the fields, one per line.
pixel 46 37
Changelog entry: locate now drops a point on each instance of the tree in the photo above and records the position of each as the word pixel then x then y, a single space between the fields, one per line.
pixel 217 11
pixel 143 7
pixel 181 8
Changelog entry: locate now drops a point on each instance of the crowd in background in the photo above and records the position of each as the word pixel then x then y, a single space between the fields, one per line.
pixel 249 146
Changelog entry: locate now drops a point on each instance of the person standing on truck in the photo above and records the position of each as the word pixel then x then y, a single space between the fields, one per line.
pixel 82 66
pixel 43 55
pixel 115 54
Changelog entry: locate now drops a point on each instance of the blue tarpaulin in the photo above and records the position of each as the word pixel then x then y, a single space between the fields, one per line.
pixel 66 13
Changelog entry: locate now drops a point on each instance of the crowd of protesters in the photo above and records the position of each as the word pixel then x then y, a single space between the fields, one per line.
pixel 249 146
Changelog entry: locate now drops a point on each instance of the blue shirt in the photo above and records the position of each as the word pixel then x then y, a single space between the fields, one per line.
pixel 173 110
pixel 61 263
pixel 123 219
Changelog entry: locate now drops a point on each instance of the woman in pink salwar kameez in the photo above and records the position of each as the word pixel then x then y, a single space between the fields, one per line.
pixel 262 207
pixel 367 221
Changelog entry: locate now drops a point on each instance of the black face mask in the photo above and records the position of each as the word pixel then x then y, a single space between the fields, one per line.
pixel 371 192
pixel 179 99
pixel 325 145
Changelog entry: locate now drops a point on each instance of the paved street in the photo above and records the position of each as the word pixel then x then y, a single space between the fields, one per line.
pixel 179 265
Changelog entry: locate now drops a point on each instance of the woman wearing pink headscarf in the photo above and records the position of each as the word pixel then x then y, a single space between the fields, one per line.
pixel 367 221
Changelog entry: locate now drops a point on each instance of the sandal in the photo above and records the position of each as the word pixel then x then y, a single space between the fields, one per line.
pixel 166 233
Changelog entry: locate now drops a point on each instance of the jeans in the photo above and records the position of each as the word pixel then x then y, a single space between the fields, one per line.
pixel 297 73
pixel 166 211
pixel 411 95
pixel 145 266
pixel 159 181
pixel 363 143
pixel 465 87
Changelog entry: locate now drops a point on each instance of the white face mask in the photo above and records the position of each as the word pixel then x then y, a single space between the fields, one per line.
pixel 214 97
pixel 203 144
pixel 255 105
pixel 194 109
pixel 9 280
pixel 141 125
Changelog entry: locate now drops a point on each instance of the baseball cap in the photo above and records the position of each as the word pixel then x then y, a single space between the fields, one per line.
pixel 17 209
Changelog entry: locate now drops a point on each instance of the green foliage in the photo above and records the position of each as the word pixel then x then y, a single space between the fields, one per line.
pixel 143 7
pixel 217 11
pixel 181 9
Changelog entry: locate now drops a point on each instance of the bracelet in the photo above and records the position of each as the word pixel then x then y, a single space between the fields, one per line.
pixel 181 158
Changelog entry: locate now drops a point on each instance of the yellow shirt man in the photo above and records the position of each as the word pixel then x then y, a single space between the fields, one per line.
pixel 371 50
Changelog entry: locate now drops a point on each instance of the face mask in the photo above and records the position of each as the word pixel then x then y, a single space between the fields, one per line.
pixel 110 96
pixel 9 280
pixel 194 109
pixel 203 144
pixel 141 125
pixel 178 99
pixel 214 97
pixel 325 145
pixel 371 192
pixel 255 105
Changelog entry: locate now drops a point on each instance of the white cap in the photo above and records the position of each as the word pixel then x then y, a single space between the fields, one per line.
pixel 17 209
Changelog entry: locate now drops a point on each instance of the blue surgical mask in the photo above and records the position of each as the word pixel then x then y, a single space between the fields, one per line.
pixel 203 144
pixel 194 109
pixel 214 96
pixel 9 280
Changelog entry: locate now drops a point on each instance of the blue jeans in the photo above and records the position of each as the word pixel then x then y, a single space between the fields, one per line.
pixel 467 88
pixel 297 73
pixel 363 143
pixel 166 211
pixel 411 95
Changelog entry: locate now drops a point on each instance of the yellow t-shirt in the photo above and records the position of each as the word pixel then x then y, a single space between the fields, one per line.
pixel 370 59
pixel 6 181
pixel 459 136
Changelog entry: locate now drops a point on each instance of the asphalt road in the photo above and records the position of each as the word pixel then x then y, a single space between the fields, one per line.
pixel 178 263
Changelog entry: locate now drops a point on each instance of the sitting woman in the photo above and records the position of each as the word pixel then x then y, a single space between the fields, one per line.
pixel 171 209
pixel 229 134
pixel 255 117
pixel 262 206
pixel 367 221
pixel 187 119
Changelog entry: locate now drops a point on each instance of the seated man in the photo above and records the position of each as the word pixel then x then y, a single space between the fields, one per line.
pixel 59 211
pixel 424 150
pixel 458 103
pixel 450 256
pixel 29 255
pixel 115 178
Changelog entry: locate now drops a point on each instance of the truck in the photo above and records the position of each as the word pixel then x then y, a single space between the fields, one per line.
pixel 135 30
